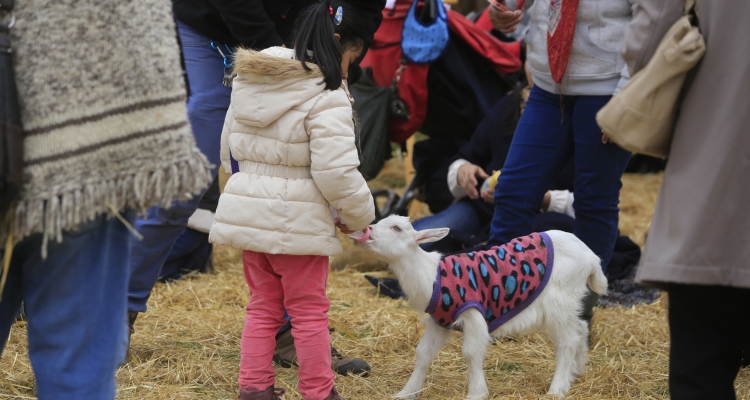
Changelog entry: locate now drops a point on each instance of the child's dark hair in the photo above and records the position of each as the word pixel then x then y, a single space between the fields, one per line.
pixel 316 28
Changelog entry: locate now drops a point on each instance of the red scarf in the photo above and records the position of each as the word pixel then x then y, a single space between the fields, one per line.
pixel 562 28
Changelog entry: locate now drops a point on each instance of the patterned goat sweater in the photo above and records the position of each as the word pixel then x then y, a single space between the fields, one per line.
pixel 499 282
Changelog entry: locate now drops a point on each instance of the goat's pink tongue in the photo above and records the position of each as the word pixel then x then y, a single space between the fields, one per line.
pixel 360 236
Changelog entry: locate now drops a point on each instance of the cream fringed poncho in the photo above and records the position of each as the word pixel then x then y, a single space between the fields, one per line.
pixel 103 110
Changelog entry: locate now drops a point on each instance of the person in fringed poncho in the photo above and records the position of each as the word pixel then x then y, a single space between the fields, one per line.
pixel 106 133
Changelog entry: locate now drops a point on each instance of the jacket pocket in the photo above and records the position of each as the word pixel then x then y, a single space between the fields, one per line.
pixel 584 41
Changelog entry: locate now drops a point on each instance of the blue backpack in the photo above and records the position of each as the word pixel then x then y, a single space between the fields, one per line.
pixel 422 42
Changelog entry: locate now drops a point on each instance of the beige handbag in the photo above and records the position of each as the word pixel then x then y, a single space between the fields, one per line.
pixel 641 117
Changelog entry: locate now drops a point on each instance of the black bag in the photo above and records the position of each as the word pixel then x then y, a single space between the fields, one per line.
pixel 374 107
pixel 11 134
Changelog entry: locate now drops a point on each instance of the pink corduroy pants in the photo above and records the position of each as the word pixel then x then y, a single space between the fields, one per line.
pixel 297 283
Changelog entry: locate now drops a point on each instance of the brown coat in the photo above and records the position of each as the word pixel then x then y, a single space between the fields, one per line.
pixel 701 229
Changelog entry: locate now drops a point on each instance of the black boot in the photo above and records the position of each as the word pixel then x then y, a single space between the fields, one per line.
pixel 132 315
pixel 589 302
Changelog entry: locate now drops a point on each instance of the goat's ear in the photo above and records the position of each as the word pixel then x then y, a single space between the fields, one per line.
pixel 431 235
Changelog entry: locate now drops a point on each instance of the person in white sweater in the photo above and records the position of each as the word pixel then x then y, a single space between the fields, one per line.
pixel 290 129
pixel 573 57
pixel 469 216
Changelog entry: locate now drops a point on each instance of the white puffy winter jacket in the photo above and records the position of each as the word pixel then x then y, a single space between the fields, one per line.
pixel 295 145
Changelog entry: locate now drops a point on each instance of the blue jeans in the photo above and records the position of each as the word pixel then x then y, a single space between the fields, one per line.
pixel 461 217
pixel 552 130
pixel 207 108
pixel 191 252
pixel 75 304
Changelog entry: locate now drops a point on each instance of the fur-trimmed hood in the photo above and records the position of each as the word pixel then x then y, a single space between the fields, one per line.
pixel 273 82
pixel 276 63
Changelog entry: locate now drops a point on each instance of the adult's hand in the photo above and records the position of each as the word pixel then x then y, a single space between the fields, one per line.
pixel 467 179
pixel 503 19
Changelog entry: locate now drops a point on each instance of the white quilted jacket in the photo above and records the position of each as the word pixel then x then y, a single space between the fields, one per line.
pixel 295 145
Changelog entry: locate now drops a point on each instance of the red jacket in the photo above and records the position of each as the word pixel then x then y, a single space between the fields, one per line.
pixel 385 55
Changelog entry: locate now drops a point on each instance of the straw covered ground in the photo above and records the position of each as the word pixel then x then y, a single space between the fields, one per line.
pixel 187 345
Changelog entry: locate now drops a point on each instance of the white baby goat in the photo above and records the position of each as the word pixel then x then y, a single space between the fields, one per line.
pixel 555 312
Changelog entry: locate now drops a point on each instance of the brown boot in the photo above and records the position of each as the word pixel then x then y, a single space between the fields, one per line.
pixel 272 393
pixel 334 395
pixel 286 356
pixel 132 315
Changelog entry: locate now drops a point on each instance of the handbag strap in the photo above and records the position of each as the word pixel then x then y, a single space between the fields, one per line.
pixel 689 6
pixel 691 11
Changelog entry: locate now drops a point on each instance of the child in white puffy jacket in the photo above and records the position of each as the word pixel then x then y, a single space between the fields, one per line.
pixel 290 129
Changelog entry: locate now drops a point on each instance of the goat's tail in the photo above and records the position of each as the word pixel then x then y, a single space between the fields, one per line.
pixel 597 281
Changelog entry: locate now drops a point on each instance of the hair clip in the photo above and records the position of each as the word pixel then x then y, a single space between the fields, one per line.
pixel 330 10
pixel 339 16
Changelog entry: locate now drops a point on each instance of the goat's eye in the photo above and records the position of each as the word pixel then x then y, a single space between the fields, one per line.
pixel 396 228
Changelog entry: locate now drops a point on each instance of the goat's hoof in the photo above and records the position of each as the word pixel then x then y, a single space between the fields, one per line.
pixel 481 396
pixel 406 395
pixel 557 392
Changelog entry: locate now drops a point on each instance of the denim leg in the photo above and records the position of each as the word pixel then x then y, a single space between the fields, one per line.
pixel 160 230
pixel 75 304
pixel 209 99
pixel 541 146
pixel 207 108
pixel 11 301
pixel 599 168
pixel 287 325
pixel 191 252
pixel 459 217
